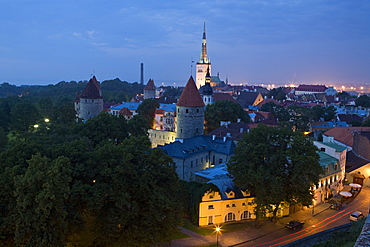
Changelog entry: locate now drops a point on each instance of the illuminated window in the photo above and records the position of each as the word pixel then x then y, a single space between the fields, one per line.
pixel 230 217
pixel 210 207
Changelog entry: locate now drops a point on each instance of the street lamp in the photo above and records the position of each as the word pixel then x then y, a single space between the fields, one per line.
pixel 218 229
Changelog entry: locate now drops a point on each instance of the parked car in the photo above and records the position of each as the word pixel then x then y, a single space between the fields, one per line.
pixel 336 206
pixel 294 224
pixel 355 216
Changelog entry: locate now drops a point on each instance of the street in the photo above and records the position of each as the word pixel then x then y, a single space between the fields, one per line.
pixel 319 219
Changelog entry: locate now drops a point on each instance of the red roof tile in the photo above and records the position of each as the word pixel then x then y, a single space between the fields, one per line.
pixel 345 134
pixel 92 90
pixel 150 85
pixel 190 96
pixel 223 96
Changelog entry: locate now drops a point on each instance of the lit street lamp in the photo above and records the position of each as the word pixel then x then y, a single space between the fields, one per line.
pixel 218 229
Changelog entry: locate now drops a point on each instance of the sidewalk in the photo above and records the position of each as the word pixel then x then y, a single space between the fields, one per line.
pixel 250 232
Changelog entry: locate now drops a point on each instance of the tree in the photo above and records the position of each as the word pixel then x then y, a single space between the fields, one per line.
pixel 268 107
pixel 275 165
pixel 41 194
pixel 136 202
pixel 277 93
pixel 224 110
pixel 147 110
pixel 23 115
pixel 317 112
pixel 329 113
pixel 363 101
pixel 104 127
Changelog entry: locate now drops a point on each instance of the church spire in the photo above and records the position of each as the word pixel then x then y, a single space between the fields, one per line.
pixel 203 55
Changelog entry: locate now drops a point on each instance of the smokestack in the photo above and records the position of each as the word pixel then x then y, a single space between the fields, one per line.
pixel 141 73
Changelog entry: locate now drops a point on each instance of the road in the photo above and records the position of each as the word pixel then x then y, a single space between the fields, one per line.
pixel 314 223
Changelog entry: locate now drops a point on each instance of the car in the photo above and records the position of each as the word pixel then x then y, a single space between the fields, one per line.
pixel 294 224
pixel 336 206
pixel 355 216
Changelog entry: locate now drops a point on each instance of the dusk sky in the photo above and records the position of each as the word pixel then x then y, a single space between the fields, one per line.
pixel 248 41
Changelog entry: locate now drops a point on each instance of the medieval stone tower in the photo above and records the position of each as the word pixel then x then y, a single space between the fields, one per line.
pixel 204 63
pixel 90 102
pixel 190 112
pixel 149 90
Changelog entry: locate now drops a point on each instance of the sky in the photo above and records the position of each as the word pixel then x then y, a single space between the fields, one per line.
pixel 248 41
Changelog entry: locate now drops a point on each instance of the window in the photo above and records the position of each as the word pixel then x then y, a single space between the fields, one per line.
pixel 322 149
pixel 196 162
pixel 210 197
pixel 187 110
pixel 201 161
pixel 243 204
pixel 210 207
pixel 335 166
pixel 197 110
pixel 191 164
pixel 219 161
pixel 227 205
pixel 230 217
pixel 233 205
pixel 246 215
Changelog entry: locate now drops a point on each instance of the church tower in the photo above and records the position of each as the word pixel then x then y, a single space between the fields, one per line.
pixel 206 91
pixel 190 112
pixel 203 63
pixel 90 102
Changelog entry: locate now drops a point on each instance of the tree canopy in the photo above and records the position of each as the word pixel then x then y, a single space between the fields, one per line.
pixel 276 165
pixel 224 110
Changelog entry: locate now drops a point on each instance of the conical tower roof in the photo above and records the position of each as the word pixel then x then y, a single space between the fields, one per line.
pixel 150 85
pixel 92 90
pixel 190 96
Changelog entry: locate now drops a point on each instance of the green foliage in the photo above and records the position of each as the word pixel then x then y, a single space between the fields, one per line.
pixel 104 127
pixel 147 109
pixel 23 116
pixel 224 110
pixel 171 92
pixel 136 205
pixel 268 107
pixel 277 165
pixel 277 93
pixel 41 195
pixel 363 101
pixel 190 195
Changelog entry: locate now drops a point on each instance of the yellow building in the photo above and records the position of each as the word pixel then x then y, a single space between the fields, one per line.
pixel 228 204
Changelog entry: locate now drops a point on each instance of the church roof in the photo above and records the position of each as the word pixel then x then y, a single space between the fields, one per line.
pixel 92 90
pixel 190 96
pixel 150 85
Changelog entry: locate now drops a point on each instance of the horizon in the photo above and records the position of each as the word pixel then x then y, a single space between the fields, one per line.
pixel 255 42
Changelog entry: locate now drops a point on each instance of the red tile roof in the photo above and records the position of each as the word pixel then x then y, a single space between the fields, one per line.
pixel 150 85
pixel 92 90
pixel 190 96
pixel 311 88
pixel 223 96
pixel 345 134
pixel 125 111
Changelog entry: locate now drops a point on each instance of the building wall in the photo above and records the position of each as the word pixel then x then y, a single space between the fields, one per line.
pixel 186 167
pixel 361 145
pixel 90 108
pixel 215 211
pixel 149 94
pixel 201 71
pixel 190 121
pixel 364 170
pixel 161 137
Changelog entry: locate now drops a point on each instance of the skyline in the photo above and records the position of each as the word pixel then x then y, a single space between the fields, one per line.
pixel 256 42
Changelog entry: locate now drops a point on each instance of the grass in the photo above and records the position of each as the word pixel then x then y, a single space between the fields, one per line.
pixel 202 231
pixel 344 239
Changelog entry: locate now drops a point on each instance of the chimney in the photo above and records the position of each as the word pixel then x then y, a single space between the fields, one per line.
pixel 239 120
pixel 213 137
pixel 224 139
pixel 141 73
pixel 241 130
pixel 228 134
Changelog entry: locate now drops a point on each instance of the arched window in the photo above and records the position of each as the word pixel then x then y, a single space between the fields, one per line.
pixel 230 217
pixel 245 215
